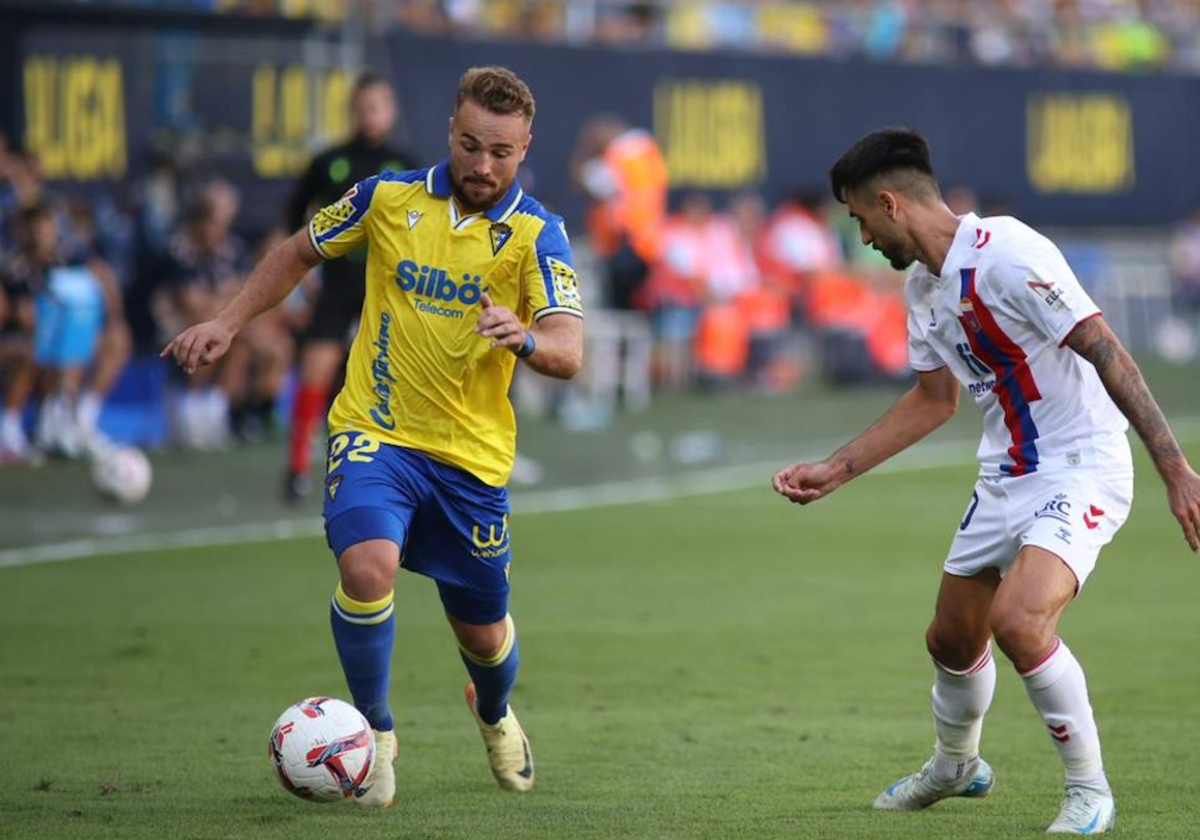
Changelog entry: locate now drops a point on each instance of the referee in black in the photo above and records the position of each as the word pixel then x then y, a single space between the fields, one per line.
pixel 338 303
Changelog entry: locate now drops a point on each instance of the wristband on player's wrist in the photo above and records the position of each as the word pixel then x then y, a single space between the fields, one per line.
pixel 526 349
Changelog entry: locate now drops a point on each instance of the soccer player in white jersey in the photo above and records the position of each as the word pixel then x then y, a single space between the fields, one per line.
pixel 993 305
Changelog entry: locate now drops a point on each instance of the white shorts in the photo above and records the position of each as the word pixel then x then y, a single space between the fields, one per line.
pixel 1070 513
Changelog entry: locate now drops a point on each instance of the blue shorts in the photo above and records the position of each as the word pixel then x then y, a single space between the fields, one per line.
pixel 450 526
pixel 68 318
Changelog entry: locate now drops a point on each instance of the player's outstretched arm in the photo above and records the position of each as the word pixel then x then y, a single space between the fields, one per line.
pixel 1095 341
pixel 927 405
pixel 553 347
pixel 270 282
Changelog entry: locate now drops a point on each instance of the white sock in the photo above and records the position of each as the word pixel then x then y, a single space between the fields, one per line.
pixel 216 413
pixel 12 433
pixel 1059 692
pixel 88 412
pixel 187 419
pixel 10 420
pixel 960 700
pixel 50 421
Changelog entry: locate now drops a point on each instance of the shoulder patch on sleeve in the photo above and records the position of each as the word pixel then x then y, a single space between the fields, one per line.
pixel 335 215
pixel 1049 292
pixel 566 283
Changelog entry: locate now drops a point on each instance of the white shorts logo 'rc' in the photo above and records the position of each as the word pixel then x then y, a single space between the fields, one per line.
pixel 1070 513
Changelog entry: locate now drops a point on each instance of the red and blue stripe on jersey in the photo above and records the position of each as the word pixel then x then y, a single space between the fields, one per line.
pixel 1014 386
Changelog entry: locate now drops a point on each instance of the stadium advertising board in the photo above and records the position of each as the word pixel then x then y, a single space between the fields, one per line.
pixel 1056 146
pixel 1053 146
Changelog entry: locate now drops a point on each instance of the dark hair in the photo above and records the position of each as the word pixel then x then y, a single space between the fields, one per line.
pixel 882 152
pixel 497 89
pixel 368 79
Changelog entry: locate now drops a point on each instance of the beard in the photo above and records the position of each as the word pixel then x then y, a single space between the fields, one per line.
pixel 476 196
pixel 895 256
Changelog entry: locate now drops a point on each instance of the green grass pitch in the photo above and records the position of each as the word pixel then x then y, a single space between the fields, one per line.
pixel 722 666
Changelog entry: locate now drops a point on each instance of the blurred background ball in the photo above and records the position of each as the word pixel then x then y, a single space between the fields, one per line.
pixel 122 473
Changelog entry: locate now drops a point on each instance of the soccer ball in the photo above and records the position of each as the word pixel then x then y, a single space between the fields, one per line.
pixel 322 749
pixel 121 473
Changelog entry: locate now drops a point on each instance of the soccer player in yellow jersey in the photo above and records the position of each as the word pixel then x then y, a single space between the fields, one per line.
pixel 465 275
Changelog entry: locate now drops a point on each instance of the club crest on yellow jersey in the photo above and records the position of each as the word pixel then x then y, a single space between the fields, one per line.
pixel 500 233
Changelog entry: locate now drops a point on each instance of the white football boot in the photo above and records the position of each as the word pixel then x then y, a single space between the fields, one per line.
pixel 507 747
pixel 378 790
pixel 922 789
pixel 1085 811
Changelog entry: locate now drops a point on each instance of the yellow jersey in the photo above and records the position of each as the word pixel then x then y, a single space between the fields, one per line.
pixel 418 376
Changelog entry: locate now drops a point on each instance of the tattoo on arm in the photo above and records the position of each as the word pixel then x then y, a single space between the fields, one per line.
pixel 1093 340
pixel 849 466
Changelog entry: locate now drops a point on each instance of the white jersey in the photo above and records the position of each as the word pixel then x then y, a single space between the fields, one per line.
pixel 997 316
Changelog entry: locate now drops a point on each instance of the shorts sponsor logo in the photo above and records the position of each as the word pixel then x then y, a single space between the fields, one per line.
pixel 1094 522
pixel 1057 508
pixel 490 540
pixel 1064 534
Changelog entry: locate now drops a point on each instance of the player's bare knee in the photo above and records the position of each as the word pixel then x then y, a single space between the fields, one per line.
pixel 482 640
pixel 949 650
pixel 366 582
pixel 369 570
pixel 1022 636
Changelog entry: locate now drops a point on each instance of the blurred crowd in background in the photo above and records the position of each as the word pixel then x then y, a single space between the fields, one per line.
pixel 87 286
pixel 94 287
pixel 1111 34
pixel 732 290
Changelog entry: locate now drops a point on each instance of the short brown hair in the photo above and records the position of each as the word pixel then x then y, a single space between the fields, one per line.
pixel 497 89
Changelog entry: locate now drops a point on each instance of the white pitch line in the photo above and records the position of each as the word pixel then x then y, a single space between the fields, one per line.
pixel 606 494
pixel 707 482
pixel 280 529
